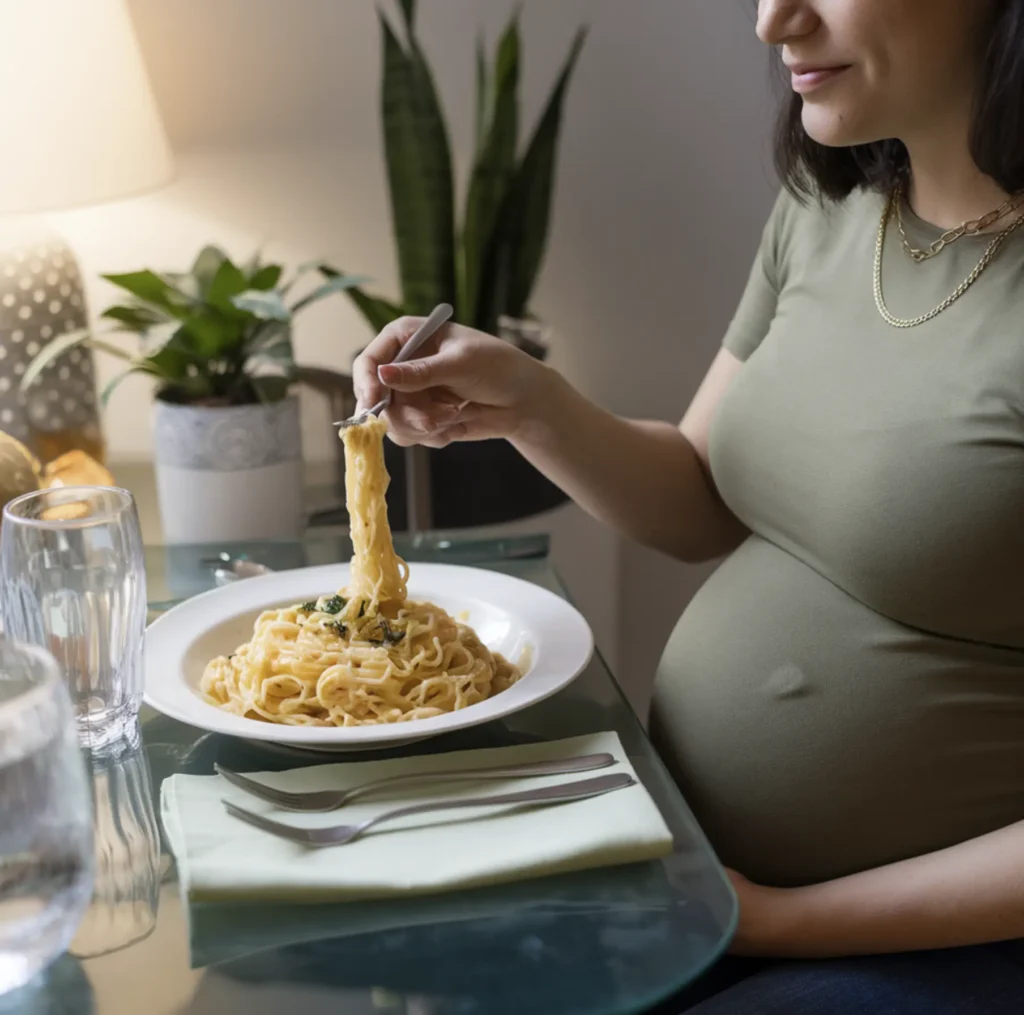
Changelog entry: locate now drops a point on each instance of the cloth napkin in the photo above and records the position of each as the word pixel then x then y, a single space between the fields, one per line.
pixel 222 858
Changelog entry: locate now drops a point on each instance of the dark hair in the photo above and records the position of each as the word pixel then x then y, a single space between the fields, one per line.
pixel 997 132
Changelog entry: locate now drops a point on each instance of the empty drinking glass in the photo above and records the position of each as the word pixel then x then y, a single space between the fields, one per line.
pixel 45 816
pixel 127 846
pixel 73 582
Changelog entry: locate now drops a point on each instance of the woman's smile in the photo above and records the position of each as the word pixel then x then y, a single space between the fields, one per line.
pixel 808 77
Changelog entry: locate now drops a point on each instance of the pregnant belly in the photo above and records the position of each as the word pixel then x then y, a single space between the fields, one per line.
pixel 814 737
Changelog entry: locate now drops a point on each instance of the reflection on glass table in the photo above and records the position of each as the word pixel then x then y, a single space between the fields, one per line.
pixel 599 942
pixel 127 848
pixel 174 573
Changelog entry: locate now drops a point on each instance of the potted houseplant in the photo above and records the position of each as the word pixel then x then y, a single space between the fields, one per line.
pixel 217 341
pixel 485 261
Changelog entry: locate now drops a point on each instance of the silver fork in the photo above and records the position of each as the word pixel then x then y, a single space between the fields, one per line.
pixel 339 835
pixel 437 317
pixel 331 799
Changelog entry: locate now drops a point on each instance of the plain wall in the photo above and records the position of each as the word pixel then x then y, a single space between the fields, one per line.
pixel 663 188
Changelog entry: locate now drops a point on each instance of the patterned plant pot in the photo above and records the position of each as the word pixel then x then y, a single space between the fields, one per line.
pixel 228 474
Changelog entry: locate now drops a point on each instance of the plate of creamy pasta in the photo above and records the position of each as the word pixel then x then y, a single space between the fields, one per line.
pixel 366 652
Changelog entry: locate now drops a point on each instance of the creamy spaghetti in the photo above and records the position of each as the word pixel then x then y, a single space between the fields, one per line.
pixel 365 654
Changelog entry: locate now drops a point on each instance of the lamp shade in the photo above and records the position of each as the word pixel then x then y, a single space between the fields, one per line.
pixel 78 121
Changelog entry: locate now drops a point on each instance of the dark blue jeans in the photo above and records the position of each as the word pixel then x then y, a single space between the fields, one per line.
pixel 984 980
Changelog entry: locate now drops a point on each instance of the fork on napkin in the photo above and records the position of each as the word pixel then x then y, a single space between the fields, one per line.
pixel 220 857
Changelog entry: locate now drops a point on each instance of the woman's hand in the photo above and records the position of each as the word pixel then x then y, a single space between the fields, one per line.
pixel 463 385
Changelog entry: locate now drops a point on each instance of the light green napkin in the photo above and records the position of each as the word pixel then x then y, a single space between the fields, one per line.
pixel 220 857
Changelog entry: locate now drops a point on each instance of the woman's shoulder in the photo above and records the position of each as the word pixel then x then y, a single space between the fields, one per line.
pixel 794 219
pixel 800 230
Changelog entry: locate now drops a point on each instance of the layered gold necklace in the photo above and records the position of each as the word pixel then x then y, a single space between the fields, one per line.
pixel 973 227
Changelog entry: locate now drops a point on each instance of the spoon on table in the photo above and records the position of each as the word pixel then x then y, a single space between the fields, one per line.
pixel 437 317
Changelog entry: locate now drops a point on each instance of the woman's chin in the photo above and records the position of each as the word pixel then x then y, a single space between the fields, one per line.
pixel 835 128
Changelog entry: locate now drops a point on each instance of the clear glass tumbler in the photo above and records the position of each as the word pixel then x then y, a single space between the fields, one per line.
pixel 73 581
pixel 46 849
pixel 127 844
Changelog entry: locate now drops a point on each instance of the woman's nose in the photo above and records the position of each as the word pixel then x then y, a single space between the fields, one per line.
pixel 781 21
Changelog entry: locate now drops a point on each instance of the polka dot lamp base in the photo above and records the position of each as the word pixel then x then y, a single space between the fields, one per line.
pixel 41 298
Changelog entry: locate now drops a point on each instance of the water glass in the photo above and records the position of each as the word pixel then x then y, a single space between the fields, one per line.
pixel 45 816
pixel 74 582
pixel 127 847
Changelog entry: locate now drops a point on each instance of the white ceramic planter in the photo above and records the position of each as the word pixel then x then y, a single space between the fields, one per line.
pixel 228 474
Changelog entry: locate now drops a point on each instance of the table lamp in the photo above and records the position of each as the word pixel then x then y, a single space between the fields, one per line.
pixel 78 125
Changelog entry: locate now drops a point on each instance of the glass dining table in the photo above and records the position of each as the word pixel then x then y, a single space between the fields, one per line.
pixel 609 941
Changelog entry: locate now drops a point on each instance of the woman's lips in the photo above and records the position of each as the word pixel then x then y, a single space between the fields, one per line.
pixel 807 79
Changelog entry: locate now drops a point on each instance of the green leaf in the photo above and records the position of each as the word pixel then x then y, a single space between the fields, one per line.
pixel 252 264
pixel 271 368
pixel 211 333
pixel 114 382
pixel 420 177
pixel 492 172
pixel 151 288
pixel 483 99
pixel 136 319
pixel 379 312
pixel 185 284
pixel 273 352
pixel 206 266
pixel 55 349
pixel 157 336
pixel 227 282
pixel 274 342
pixel 270 388
pixel 300 273
pixel 409 13
pixel 172 358
pixel 517 249
pixel 335 283
pixel 266 277
pixel 316 264
pixel 267 306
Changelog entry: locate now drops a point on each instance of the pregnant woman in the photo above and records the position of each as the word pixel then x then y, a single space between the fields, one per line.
pixel 843 702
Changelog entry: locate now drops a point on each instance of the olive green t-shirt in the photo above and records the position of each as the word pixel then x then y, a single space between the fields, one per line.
pixel 847 689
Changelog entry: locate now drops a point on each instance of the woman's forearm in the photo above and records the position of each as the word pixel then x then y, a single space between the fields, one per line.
pixel 971 893
pixel 644 478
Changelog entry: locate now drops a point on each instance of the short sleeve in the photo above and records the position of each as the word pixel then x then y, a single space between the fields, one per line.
pixel 756 310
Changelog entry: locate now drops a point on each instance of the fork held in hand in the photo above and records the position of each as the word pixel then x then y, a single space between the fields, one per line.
pixel 329 799
pixel 339 835
pixel 437 317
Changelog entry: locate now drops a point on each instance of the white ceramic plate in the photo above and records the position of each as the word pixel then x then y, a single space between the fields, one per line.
pixel 525 623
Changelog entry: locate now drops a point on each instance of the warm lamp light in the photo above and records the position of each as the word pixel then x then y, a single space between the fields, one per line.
pixel 78 125
pixel 78 119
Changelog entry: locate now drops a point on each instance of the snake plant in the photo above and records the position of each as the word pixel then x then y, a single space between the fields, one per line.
pixel 487 264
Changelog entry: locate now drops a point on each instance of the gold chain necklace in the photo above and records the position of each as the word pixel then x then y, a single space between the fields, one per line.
pixel 970 228
pixel 913 322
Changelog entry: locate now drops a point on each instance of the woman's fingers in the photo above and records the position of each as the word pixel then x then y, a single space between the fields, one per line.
pixel 383 349
pixel 463 385
pixel 412 418
pixel 482 422
pixel 417 421
pixel 437 424
pixel 452 367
